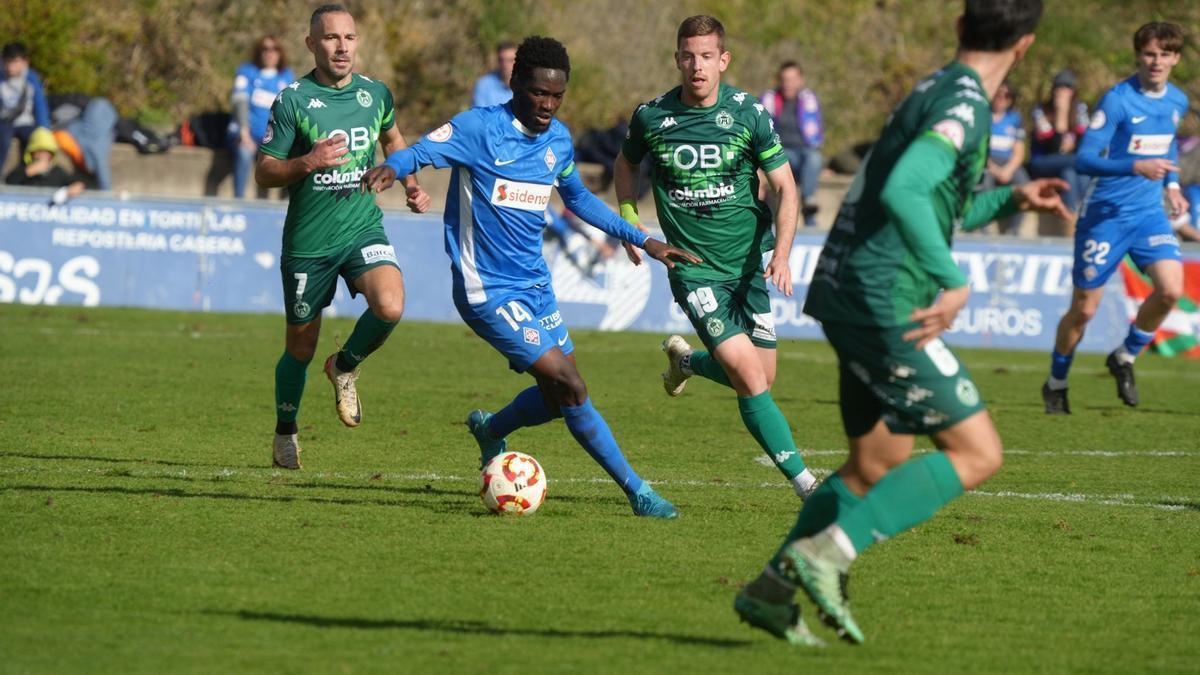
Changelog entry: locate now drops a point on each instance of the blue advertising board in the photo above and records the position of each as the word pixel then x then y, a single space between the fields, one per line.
pixel 213 255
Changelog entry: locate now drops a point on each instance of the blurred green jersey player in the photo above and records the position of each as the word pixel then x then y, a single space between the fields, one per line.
pixel 885 289
pixel 319 141
pixel 707 142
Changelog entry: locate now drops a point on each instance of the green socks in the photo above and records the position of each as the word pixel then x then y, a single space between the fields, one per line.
pixel 829 501
pixel 369 334
pixel 907 496
pixel 289 387
pixel 705 365
pixel 769 427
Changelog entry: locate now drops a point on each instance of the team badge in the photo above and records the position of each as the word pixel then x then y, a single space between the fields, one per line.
pixel 967 393
pixel 715 327
pixel 270 133
pixel 364 98
pixel 532 337
pixel 441 134
pixel 1098 119
pixel 724 120
pixel 550 159
pixel 301 309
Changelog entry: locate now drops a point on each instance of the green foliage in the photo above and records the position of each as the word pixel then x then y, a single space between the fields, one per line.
pixel 145 532
pixel 177 57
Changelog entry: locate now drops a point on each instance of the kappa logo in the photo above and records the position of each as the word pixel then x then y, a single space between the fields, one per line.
pixel 286 407
pixel 294 86
pixel 759 107
pixel 364 98
pixel 724 120
pixel 667 123
pixel 963 112
pixel 783 456
pixel 967 81
pixel 739 97
pixel 532 336
pixel 315 103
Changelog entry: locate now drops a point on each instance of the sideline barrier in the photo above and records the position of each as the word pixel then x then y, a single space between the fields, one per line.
pixel 212 255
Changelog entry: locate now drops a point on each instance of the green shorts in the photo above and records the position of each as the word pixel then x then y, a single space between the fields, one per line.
pixel 719 310
pixel 310 283
pixel 884 376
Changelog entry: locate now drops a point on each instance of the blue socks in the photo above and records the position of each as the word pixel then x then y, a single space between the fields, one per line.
pixel 1060 364
pixel 528 409
pixel 1137 340
pixel 592 432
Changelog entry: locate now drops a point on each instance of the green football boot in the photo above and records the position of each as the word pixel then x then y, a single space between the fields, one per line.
pixel 782 620
pixel 477 423
pixel 817 565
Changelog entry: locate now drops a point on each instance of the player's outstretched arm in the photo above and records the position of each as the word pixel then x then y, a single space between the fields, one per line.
pixel 418 199
pixel 779 269
pixel 625 182
pixel 591 210
pixel 271 172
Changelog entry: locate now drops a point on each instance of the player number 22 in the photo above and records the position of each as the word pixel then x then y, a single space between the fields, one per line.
pixel 702 301
pixel 1095 252
pixel 514 314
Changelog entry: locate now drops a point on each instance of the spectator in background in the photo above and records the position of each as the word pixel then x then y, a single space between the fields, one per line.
pixel 1006 151
pixel 84 130
pixel 492 88
pixel 255 87
pixel 22 99
pixel 797 115
pixel 1058 124
pixel 40 170
pixel 600 146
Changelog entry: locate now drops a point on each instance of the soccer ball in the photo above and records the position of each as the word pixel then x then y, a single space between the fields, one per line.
pixel 513 483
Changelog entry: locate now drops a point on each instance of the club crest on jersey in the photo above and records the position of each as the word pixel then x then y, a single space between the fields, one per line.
pixel 441 134
pixel 951 130
pixel 270 134
pixel 1098 119
pixel 364 98
pixel 532 336
pixel 715 327
pixel 724 120
pixel 966 392
pixel 550 159
pixel 301 309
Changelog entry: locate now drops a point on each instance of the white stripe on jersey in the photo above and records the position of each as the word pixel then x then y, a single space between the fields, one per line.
pixel 466 240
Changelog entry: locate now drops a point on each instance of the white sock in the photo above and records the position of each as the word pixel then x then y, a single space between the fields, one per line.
pixel 804 483
pixel 1056 384
pixel 1123 355
pixel 842 541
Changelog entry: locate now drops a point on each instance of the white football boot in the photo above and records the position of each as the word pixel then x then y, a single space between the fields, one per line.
pixel 286 451
pixel 345 395
pixel 675 377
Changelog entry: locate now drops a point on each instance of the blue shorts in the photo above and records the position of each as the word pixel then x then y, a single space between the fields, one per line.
pixel 1102 240
pixel 522 325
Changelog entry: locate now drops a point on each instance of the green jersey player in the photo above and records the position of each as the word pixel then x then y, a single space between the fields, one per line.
pixel 707 143
pixel 319 142
pixel 885 288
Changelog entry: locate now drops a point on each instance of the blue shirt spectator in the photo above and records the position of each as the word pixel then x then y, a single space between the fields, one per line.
pixel 796 114
pixel 22 99
pixel 255 87
pixel 492 88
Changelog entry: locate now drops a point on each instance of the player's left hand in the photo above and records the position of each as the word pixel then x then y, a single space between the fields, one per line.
pixel 779 272
pixel 635 256
pixel 938 317
pixel 667 255
pixel 1043 195
pixel 377 179
pixel 418 199
pixel 1177 202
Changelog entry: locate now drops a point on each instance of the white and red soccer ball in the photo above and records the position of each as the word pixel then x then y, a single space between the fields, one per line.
pixel 513 483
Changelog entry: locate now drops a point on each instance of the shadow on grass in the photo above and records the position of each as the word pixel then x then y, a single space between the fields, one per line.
pixel 119 460
pixel 437 506
pixel 475 628
pixel 1192 506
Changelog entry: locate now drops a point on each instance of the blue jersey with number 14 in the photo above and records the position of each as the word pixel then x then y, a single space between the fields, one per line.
pixel 1130 124
pixel 498 194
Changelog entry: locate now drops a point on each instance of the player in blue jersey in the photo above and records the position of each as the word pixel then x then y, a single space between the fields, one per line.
pixel 1130 150
pixel 506 160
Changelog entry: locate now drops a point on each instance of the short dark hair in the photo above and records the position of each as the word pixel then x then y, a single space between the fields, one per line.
pixel 996 25
pixel 321 11
pixel 1168 35
pixel 14 50
pixel 536 51
pixel 700 25
pixel 790 64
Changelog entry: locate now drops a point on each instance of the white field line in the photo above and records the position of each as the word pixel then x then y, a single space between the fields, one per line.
pixel 1162 502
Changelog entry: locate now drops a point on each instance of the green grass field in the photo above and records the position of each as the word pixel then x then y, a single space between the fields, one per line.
pixel 143 529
